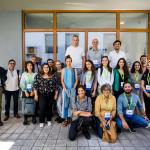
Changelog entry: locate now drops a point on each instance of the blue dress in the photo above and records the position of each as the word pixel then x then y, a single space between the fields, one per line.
pixel 69 81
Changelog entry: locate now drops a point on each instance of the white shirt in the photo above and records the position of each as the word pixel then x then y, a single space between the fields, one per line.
pixel 114 57
pixel 76 54
pixel 11 84
pixel 102 78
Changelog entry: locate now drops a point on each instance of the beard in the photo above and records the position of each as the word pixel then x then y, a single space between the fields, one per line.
pixel 128 92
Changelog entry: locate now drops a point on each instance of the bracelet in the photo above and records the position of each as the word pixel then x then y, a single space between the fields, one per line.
pixel 145 115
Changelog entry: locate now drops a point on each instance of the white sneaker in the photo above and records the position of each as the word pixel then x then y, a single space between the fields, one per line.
pixel 148 126
pixel 41 125
pixel 49 123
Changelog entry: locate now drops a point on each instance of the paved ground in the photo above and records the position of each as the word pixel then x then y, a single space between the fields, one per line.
pixel 15 136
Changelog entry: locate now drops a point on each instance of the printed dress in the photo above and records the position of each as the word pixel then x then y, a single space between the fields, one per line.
pixel 69 81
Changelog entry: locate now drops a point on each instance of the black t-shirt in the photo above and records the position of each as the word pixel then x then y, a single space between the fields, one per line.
pixel 144 77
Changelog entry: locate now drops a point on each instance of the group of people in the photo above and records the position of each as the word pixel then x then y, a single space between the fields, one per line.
pixel 96 90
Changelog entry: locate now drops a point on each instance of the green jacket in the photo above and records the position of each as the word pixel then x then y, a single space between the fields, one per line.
pixel 116 80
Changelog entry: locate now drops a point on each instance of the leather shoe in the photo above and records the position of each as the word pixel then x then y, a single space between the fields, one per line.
pixel 61 120
pixel 34 119
pixel 17 116
pixel 6 118
pixel 86 134
pixel 1 124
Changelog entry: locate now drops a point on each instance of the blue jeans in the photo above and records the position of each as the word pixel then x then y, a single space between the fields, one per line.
pixel 79 73
pixel 59 101
pixel 99 128
pixel 134 121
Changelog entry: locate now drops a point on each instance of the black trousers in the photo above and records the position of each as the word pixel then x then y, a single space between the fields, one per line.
pixel 147 105
pixel 73 128
pixel 8 95
pixel 46 104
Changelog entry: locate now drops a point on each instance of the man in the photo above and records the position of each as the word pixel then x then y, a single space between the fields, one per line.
pixel 95 54
pixel 51 65
pixel 12 88
pixel 37 68
pixel 143 60
pixel 125 107
pixel 115 55
pixel 77 54
pixel 3 78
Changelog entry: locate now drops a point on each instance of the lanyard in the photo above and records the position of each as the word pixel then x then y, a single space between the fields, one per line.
pixel 144 70
pixel 29 79
pixel 94 54
pixel 148 78
pixel 51 69
pixel 136 77
pixel 122 75
pixel 127 100
pixel 105 102
pixel 89 76
pixel 106 75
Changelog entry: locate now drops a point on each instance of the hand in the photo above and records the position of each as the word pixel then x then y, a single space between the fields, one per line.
pixel 76 113
pixel 108 123
pixel 27 94
pixel 145 117
pixel 55 97
pixel 82 69
pixel 32 93
pixel 36 97
pixel 104 124
pixel 88 114
pixel 93 94
pixel 147 94
pixel 125 125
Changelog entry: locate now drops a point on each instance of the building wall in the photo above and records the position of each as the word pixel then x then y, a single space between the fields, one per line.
pixel 10 41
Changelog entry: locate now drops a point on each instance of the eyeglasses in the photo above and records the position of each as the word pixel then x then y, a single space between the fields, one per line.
pixel 50 62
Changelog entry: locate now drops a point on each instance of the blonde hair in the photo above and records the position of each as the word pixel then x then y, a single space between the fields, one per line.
pixel 58 61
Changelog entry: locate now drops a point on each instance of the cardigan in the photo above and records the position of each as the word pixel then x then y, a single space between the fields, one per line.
pixel 116 80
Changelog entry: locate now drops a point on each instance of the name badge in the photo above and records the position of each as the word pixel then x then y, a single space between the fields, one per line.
pixel 137 86
pixel 95 63
pixel 129 113
pixel 88 86
pixel 107 116
pixel 122 84
pixel 147 88
pixel 29 87
pixel 0 83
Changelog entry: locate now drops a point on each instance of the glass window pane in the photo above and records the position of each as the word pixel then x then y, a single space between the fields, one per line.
pixel 64 39
pixel 105 39
pixel 134 44
pixel 86 20
pixel 134 20
pixel 38 20
pixel 39 44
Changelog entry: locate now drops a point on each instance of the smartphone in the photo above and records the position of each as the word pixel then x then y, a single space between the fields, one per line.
pixel 107 127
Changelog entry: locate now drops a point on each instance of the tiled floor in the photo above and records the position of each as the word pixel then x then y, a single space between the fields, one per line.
pixel 15 136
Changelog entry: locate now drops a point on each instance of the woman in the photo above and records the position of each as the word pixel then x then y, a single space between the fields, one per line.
pixel 89 80
pixel 69 80
pixel 145 84
pixel 105 74
pixel 51 64
pixel 82 108
pixel 46 88
pixel 136 75
pixel 121 74
pixel 105 110
pixel 59 119
pixel 26 84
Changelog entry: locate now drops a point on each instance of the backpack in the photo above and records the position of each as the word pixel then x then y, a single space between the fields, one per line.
pixel 28 106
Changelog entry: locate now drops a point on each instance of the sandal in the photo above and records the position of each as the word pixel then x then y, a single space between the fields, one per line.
pixel 65 123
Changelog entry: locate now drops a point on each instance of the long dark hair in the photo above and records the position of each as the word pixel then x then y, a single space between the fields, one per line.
pixel 42 71
pixel 125 68
pixel 109 68
pixel 133 67
pixel 93 69
pixel 29 62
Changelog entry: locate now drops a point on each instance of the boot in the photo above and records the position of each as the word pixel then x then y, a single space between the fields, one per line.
pixel 34 119
pixel 25 121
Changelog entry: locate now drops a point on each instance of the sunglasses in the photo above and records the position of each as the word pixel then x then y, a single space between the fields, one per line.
pixel 50 62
